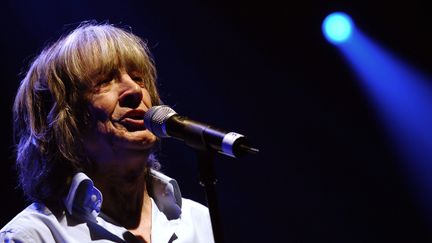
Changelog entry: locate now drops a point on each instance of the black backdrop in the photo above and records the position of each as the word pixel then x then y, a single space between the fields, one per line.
pixel 326 171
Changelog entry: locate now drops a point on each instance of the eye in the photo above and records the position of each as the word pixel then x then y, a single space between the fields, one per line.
pixel 138 79
pixel 104 82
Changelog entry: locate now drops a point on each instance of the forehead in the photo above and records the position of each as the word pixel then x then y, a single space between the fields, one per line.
pixel 113 51
pixel 94 52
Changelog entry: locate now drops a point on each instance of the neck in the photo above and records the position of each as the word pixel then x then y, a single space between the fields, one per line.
pixel 126 198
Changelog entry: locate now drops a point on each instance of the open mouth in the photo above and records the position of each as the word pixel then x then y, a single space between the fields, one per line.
pixel 133 124
pixel 133 120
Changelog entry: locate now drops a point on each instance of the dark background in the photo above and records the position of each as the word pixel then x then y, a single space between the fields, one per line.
pixel 326 171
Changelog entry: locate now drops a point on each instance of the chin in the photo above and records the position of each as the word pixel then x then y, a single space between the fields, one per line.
pixel 143 140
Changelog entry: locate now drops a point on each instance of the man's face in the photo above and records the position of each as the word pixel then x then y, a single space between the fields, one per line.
pixel 117 103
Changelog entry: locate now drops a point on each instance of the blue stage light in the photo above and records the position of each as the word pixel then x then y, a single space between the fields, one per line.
pixel 337 27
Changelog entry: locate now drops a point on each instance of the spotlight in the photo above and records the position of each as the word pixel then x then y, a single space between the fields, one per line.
pixel 337 27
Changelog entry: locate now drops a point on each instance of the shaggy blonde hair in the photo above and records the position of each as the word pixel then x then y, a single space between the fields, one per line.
pixel 50 109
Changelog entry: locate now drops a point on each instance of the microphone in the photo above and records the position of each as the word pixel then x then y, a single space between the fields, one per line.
pixel 164 122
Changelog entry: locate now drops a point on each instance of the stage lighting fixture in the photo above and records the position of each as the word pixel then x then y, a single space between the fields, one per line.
pixel 337 27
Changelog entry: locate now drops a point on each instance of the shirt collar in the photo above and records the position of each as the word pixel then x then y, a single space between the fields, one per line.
pixel 166 194
pixel 85 200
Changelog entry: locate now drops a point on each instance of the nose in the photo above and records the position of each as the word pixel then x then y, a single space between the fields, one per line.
pixel 131 93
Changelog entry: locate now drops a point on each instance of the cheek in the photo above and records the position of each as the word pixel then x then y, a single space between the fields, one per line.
pixel 146 98
pixel 100 114
pixel 101 108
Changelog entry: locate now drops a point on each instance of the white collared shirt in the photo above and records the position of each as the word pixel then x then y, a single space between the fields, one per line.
pixel 174 219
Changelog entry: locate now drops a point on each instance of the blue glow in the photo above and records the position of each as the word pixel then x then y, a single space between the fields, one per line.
pixel 337 27
pixel 402 97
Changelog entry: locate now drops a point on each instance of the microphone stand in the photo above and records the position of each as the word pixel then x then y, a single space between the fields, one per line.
pixel 208 181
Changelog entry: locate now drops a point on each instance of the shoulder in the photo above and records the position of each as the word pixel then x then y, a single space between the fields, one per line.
pixel 194 207
pixel 198 216
pixel 30 225
pixel 195 211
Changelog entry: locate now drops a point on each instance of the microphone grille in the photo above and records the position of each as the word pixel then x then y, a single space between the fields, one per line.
pixel 155 118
